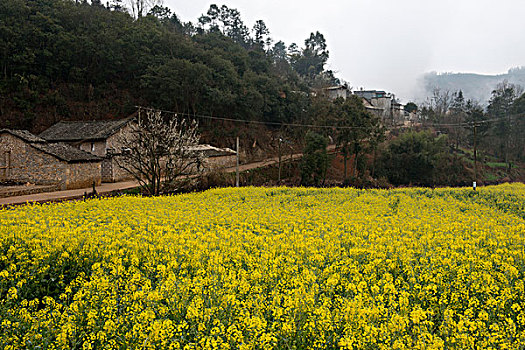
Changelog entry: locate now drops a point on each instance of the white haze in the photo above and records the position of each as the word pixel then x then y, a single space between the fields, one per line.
pixel 385 44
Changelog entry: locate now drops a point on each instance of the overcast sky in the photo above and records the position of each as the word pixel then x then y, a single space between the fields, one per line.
pixel 386 44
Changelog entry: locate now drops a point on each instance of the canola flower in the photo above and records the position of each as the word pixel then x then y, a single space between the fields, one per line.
pixel 256 268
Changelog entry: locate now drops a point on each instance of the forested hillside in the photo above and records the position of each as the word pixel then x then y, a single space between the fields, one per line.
pixel 68 60
pixel 65 60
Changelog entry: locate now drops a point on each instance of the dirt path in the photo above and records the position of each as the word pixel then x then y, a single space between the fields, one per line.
pixel 57 196
pixel 272 161
pixel 106 188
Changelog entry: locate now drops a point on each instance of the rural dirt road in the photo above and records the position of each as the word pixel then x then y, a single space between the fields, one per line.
pixel 106 188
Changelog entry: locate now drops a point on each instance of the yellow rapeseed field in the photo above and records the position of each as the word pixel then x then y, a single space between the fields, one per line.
pixel 278 268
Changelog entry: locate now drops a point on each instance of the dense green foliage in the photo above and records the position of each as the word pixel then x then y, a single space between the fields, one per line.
pixel 411 107
pixel 419 158
pixel 496 130
pixel 358 130
pixel 61 59
pixel 507 132
pixel 65 59
pixel 315 160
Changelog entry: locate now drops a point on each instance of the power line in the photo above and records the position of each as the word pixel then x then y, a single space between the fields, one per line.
pixel 252 121
pixel 313 126
pixel 477 122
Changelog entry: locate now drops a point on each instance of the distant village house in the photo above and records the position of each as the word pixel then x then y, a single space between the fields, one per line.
pixel 378 102
pixel 334 92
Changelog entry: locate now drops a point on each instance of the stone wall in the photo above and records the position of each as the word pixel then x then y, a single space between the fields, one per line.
pixel 113 141
pixel 28 164
pixel 115 146
pixel 97 148
pixel 82 175
pixel 24 190
pixel 120 174
pixel 336 93
pixel 107 170
pixel 221 162
pixel 5 160
pixel 386 104
pixel 111 172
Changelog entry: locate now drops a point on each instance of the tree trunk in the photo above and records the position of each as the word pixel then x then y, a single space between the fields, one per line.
pixel 355 165
pixel 345 157
pixel 374 156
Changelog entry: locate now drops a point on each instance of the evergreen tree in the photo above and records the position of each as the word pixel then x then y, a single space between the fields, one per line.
pixel 500 107
pixel 315 160
pixel 356 128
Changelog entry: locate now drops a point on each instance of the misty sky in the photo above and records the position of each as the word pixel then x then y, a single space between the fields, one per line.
pixel 386 44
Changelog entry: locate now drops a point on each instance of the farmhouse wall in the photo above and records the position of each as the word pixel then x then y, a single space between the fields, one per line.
pixel 336 93
pixel 97 148
pixel 28 164
pixel 82 175
pixel 119 174
pixel 384 103
pixel 108 148
pixel 113 143
pixel 221 162
pixel 106 170
pixel 112 172
pixel 25 163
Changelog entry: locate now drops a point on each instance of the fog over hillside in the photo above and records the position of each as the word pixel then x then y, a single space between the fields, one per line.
pixel 474 86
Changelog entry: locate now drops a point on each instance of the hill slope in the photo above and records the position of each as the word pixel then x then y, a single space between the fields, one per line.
pixel 474 86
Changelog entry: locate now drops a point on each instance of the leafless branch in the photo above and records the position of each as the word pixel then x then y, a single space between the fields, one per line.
pixel 159 153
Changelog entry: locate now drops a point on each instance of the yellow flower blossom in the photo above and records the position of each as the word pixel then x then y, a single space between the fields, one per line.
pixel 268 268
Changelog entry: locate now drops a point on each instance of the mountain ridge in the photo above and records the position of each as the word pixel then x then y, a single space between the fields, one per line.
pixel 474 85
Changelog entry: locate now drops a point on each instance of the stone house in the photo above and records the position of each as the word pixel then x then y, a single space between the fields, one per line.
pixel 217 158
pixel 378 99
pixel 369 107
pixel 398 112
pixel 25 157
pixel 99 137
pixel 334 92
pixel 383 104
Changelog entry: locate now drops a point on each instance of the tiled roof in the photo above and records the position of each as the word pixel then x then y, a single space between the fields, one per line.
pixel 338 87
pixel 211 151
pixel 70 131
pixel 66 153
pixel 59 150
pixel 24 135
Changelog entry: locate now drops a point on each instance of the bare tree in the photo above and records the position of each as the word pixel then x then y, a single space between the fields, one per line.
pixel 140 8
pixel 435 108
pixel 160 153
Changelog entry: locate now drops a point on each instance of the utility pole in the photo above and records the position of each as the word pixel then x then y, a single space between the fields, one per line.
pixel 475 153
pixel 279 180
pixel 507 140
pixel 237 165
